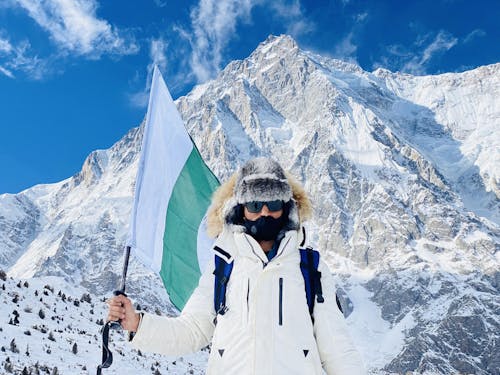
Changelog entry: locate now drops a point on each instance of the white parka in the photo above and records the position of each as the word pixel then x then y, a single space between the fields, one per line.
pixel 267 328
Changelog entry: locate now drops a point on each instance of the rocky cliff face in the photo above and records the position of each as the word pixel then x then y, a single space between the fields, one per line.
pixel 403 174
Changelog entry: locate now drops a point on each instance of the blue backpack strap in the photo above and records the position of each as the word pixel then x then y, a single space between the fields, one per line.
pixel 222 272
pixel 309 263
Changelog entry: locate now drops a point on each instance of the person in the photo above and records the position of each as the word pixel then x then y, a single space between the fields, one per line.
pixel 257 218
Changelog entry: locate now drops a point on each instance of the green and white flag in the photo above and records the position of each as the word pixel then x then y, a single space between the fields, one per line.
pixel 172 193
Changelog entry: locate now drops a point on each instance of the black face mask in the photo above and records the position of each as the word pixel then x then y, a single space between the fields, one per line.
pixel 265 228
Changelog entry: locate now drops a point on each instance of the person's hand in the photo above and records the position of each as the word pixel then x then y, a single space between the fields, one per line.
pixel 120 308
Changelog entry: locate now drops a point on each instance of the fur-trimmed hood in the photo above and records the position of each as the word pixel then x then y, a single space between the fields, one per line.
pixel 224 204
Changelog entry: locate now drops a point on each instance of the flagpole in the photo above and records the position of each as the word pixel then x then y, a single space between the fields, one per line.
pixel 124 272
pixel 107 356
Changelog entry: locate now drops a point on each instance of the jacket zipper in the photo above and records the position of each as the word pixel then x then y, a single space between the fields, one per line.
pixel 282 248
pixel 264 264
pixel 280 317
pixel 248 297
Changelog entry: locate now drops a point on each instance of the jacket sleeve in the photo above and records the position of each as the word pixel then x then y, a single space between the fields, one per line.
pixel 338 354
pixel 187 333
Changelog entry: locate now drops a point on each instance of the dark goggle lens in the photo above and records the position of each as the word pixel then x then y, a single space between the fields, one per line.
pixel 255 207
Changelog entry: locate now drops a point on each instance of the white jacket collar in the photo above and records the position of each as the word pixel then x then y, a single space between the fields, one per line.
pixel 242 244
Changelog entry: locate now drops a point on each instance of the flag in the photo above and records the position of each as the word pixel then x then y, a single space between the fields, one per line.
pixel 172 193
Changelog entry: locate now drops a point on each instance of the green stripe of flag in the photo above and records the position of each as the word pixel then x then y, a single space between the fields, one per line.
pixel 188 204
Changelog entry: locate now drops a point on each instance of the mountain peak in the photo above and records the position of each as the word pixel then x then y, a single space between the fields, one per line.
pixel 283 41
pixel 275 47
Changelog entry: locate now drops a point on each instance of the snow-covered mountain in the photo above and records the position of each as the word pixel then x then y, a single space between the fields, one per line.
pixel 403 172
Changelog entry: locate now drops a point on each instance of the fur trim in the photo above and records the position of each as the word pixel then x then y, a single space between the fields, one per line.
pixel 222 210
pixel 216 212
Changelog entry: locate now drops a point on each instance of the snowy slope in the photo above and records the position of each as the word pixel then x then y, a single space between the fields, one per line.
pixel 463 114
pixel 402 171
pixel 47 324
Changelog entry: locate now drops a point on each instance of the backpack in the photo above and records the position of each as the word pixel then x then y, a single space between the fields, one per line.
pixel 309 262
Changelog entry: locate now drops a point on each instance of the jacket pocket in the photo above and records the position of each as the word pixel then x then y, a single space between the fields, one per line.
pixel 280 302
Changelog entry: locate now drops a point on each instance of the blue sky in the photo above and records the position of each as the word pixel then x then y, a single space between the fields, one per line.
pixel 74 74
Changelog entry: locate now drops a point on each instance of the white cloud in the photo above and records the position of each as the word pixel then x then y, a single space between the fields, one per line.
pixel 415 59
pixel 346 49
pixel 293 17
pixel 214 23
pixel 477 33
pixel 157 55
pixel 443 42
pixel 75 28
pixel 139 99
pixel 18 57
pixel 161 3
pixel 6 72
pixel 361 17
pixel 5 46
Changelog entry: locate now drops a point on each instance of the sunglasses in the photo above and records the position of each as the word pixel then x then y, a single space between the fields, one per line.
pixel 256 206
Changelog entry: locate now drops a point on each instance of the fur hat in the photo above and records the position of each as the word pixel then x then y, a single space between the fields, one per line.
pixel 261 179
